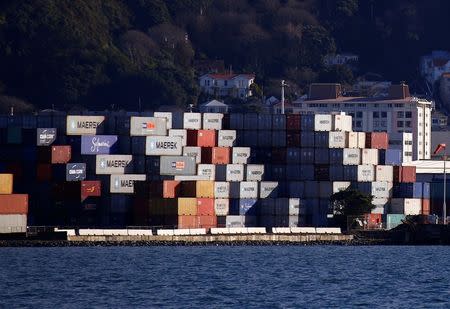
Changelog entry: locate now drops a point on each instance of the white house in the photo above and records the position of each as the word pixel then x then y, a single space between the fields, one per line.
pixel 434 65
pixel 227 85
pixel 214 106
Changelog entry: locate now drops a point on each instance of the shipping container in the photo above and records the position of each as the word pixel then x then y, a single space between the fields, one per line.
pixel 307 122
pixel 325 189
pixel 187 206
pixel 264 138
pixel 312 190
pixel 193 152
pixel 340 186
pixel 378 140
pixel 6 184
pixel 394 220
pixel 212 121
pixel 254 172
pixel 408 190
pixel 350 172
pixel 216 155
pixel 207 170
pixel 337 140
pixel 43 172
pixel 426 209
pixel 352 139
pixel 406 206
pixel 181 133
pixel 114 164
pixel 369 156
pixel 75 171
pixel 278 138
pixel 268 189
pixel 250 121
pixel 188 188
pixel 293 139
pixel 146 126
pixel 321 139
pixel 124 183
pixel 240 155
pixel 264 122
pixel 336 156
pixel 221 206
pixel 342 123
pixel 384 173
pixel 381 189
pixel 307 139
pixel 163 146
pixel 247 207
pixel 60 154
pixel 84 125
pixel 361 140
pixel 167 115
pixel 90 188
pixel 171 188
pixel 322 122
pixel 296 189
pixel 293 122
pixel 226 138
pixel 351 156
pixel 192 121
pixel 366 173
pixel 205 207
pixel 187 222
pixel 248 190
pixel 391 156
pixel 13 223
pixel 45 136
pixel 98 144
pixel 321 156
pixel 306 155
pixel 404 174
pixel 11 204
pixel 205 189
pixel 222 189
pixel 201 138
pixel 236 121
pixel 336 172
pixel 234 172
pixel 322 172
pixel 279 122
pixel 177 165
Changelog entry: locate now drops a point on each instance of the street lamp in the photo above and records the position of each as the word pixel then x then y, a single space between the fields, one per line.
pixel 440 148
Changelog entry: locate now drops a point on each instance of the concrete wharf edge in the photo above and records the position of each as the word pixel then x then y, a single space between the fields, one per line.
pixel 269 238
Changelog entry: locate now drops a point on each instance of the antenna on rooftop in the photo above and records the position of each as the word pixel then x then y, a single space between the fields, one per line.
pixel 11 111
pixel 283 84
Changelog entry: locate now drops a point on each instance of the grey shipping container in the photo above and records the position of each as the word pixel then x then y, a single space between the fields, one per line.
pixel 84 125
pixel 268 189
pixel 45 136
pixel 177 165
pixel 163 145
pixel 226 138
pixel 145 126
pixel 75 171
pixel 114 164
pixel 124 183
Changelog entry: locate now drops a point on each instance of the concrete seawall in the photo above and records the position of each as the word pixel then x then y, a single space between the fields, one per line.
pixel 204 239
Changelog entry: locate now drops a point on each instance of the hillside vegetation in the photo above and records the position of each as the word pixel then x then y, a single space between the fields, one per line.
pixel 117 53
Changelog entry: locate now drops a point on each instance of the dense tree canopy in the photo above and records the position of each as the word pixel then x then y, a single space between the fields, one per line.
pixel 119 52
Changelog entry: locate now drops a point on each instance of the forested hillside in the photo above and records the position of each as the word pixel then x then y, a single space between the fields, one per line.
pixel 116 53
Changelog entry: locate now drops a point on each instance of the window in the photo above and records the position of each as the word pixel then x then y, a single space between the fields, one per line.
pixel 336 105
pixel 358 114
pixel 383 114
pixel 383 124
pixel 361 104
pixel 215 83
pixel 390 105
pixel 408 124
pixel 376 105
pixel 358 124
pixel 400 114
pixel 400 124
pixel 352 114
pixel 408 114
pixel 398 105
pixel 376 114
pixel 225 83
pixel 376 123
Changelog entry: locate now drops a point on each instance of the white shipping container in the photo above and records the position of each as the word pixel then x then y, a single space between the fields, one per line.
pixel 351 156
pixel 241 155
pixel 352 139
pixel 379 209
pixel 249 189
pixel 222 189
pixel 340 186
pixel 366 173
pixel 297 207
pixel 361 140
pixel 124 183
pixel 337 140
pixel 163 146
pixel 13 224
pixel 342 123
pixel 322 122
pixel 192 121
pixel 193 151
pixel 267 189
pixel 406 206
pixel 84 125
pixel 381 189
pixel 235 172
pixel 384 173
pixel 146 126
pixel 181 133
pixel 167 116
pixel 254 172
pixel 369 156
pixel 212 121
pixel 221 206
pixel 113 164
pixel 226 138
pixel 208 170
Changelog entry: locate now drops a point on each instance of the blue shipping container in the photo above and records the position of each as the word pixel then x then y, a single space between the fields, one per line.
pixel 321 156
pixel 306 172
pixel 321 139
pixel 306 139
pixel 336 172
pixel 307 123
pixel 336 156
pixel 408 190
pixel 391 157
pixel 306 155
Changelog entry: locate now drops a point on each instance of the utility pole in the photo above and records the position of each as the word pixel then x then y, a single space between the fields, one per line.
pixel 444 204
pixel 283 84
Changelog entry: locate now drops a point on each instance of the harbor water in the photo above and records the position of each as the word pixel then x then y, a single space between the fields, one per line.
pixel 225 277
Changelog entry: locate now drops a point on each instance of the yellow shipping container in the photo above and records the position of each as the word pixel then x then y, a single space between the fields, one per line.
pixel 6 183
pixel 205 188
pixel 187 206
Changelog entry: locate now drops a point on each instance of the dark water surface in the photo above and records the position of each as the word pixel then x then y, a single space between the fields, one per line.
pixel 224 277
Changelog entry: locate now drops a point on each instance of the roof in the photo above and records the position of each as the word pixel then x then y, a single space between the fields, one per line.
pixel 439 62
pixel 399 91
pixel 228 76
pixel 446 74
pixel 324 91
pixel 214 103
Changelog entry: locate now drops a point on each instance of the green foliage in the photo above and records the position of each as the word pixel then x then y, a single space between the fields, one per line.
pixel 337 74
pixel 351 202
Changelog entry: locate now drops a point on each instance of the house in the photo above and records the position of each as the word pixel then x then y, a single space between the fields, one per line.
pixel 214 106
pixel 271 101
pixel 227 85
pixel 444 89
pixel 434 65
pixel 438 120
pixel 398 112
pixel 372 88
pixel 346 59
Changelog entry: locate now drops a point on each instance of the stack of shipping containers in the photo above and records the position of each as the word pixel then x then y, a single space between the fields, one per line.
pixel 192 170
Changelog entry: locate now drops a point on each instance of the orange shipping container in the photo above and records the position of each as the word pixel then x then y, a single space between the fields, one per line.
pixel 377 140
pixel 187 222
pixel 61 154
pixel 6 183
pixel 425 206
pixel 12 204
pixel 205 207
pixel 171 188
pixel 201 138
pixel 216 155
pixel 205 188
pixel 187 206
pixel 206 221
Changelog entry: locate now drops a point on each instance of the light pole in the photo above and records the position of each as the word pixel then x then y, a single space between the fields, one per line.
pixel 439 148
pixel 283 84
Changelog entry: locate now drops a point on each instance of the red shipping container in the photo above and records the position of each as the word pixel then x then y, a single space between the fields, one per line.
pixel 293 122
pixel 201 138
pixel 61 154
pixel 408 174
pixel 377 140
pixel 293 139
pixel 171 188
pixel 206 221
pixel 374 219
pixel 425 206
pixel 187 222
pixel 44 172
pixel 216 155
pixel 205 207
pixel 13 204
pixel 90 188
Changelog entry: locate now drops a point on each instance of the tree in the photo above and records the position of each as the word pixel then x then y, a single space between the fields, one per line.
pixel 337 74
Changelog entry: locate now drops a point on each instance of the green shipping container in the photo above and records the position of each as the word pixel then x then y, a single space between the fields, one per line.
pixel 14 135
pixel 393 220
